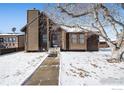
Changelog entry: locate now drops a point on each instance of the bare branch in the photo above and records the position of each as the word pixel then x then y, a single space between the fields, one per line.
pixel 101 29
pixel 96 27
pixel 112 20
pixel 120 40
pixel 108 16
pixel 74 15
pixel 114 28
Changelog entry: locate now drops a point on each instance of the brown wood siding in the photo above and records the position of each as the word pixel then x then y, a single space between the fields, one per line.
pixel 32 31
pixel 92 43
pixel 21 39
pixel 67 41
pixel 26 40
pixel 63 40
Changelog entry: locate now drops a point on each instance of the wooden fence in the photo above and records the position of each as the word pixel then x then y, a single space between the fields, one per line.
pixel 10 50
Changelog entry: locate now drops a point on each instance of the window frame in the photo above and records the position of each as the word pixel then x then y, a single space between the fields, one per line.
pixel 81 38
pixel 13 39
pixel 44 38
pixel 77 38
pixel 1 40
pixel 10 39
pixel 5 40
pixel 74 38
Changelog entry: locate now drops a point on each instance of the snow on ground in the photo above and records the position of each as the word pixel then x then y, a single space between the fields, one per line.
pixel 89 68
pixel 15 68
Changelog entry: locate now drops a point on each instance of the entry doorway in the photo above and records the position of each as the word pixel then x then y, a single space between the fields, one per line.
pixel 92 43
pixel 55 39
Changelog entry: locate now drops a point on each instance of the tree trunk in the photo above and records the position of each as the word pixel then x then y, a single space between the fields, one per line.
pixel 117 55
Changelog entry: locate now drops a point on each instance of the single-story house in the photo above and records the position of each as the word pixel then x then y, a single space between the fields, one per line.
pixel 41 33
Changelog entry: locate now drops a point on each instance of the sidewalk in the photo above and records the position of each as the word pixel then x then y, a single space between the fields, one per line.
pixel 46 74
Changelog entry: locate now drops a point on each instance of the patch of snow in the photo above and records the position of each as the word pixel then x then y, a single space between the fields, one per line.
pixel 72 29
pixel 9 34
pixel 104 49
pixel 15 68
pixel 77 29
pixel 89 68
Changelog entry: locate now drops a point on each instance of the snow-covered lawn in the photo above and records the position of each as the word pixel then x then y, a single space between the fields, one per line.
pixel 15 68
pixel 89 68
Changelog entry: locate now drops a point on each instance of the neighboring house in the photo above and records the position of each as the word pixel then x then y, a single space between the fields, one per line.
pixel 41 33
pixel 103 44
pixel 11 41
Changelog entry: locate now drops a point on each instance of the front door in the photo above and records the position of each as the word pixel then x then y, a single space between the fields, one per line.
pixel 43 42
pixel 55 39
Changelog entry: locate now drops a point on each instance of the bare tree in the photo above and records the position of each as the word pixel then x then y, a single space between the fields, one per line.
pixel 102 17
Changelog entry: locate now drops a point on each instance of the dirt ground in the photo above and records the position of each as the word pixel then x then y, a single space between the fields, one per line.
pixel 46 74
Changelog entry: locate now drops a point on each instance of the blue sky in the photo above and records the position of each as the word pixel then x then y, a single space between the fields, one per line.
pixel 14 15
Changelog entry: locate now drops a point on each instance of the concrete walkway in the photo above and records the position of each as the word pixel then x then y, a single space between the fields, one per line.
pixel 46 74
